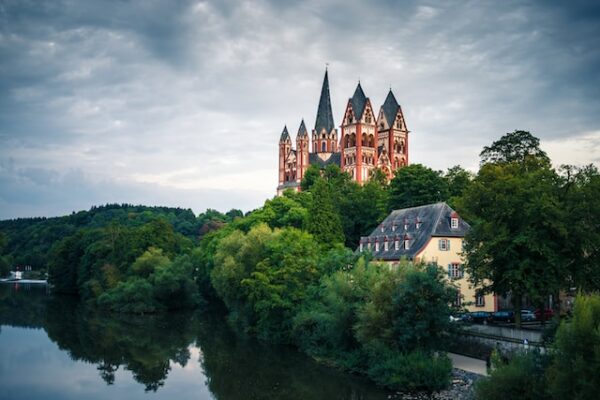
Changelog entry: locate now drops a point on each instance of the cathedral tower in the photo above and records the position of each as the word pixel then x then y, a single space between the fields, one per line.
pixel 359 137
pixel 301 151
pixel 285 149
pixel 393 134
pixel 324 136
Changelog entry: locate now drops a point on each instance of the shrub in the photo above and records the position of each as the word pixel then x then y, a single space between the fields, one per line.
pixel 575 370
pixel 411 372
pixel 520 379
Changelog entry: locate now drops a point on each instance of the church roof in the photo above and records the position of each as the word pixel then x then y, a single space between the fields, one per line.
pixel 284 135
pixel 358 101
pixel 315 159
pixel 302 130
pixel 434 220
pixel 390 108
pixel 324 114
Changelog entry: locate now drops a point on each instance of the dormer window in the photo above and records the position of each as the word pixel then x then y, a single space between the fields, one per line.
pixel 393 226
pixel 385 244
pixel 382 227
pixel 369 245
pixel 419 223
pixel 454 220
pixel 376 245
pixel 406 242
pixel 397 243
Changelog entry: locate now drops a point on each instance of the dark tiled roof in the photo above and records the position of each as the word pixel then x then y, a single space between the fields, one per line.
pixel 324 114
pixel 335 158
pixel 358 101
pixel 434 219
pixel 287 185
pixel 284 135
pixel 390 108
pixel 302 130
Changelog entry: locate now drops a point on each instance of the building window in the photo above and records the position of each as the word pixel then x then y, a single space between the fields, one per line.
pixel 361 246
pixel 418 225
pixel 455 271
pixel 323 147
pixel 479 300
pixel 444 244
pixel 397 244
pixel 385 245
pixel 369 245
pixel 457 300
pixel 454 223
pixel 376 246
pixel 406 243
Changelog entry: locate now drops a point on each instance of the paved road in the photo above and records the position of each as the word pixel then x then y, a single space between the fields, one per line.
pixel 468 364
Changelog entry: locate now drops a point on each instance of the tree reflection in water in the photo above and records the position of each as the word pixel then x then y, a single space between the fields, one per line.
pixel 234 366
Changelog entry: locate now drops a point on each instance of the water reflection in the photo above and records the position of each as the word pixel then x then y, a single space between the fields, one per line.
pixel 149 348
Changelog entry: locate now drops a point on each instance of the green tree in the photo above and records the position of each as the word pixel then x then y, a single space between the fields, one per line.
pixel 311 175
pixel 152 260
pixel 4 263
pixel 416 185
pixel 458 180
pixel 517 146
pixel 323 217
pixel 575 369
pixel 517 235
pixel 580 191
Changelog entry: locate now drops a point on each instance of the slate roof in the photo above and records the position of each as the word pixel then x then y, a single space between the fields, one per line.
pixel 434 220
pixel 284 135
pixel 390 108
pixel 335 158
pixel 302 132
pixel 358 101
pixel 324 113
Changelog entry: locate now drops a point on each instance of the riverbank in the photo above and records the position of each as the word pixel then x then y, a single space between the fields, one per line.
pixel 461 388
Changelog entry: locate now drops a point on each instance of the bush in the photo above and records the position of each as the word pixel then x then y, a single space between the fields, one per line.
pixel 575 370
pixel 520 379
pixel 135 295
pixel 411 372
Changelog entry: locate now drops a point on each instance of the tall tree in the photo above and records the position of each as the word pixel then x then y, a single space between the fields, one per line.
pixel 517 236
pixel 516 146
pixel 416 185
pixel 580 191
pixel 458 180
pixel 323 217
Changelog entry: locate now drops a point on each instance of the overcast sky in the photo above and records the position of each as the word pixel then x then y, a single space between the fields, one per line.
pixel 181 103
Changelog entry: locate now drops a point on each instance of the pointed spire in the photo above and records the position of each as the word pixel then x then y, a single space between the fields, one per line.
pixel 324 113
pixel 285 136
pixel 390 108
pixel 302 132
pixel 359 101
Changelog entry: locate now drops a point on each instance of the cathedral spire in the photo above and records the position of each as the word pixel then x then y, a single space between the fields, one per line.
pixel 390 108
pixel 302 130
pixel 285 136
pixel 359 101
pixel 324 114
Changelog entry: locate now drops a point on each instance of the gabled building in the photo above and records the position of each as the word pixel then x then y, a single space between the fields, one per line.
pixel 430 233
pixel 366 142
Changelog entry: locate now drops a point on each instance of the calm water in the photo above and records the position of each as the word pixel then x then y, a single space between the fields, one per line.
pixel 52 348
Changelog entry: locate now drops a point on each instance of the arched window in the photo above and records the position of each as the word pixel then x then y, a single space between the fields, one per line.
pixel 323 146
pixel 353 140
pixel 364 139
pixel 371 141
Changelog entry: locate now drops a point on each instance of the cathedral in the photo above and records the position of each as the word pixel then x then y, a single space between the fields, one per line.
pixel 364 142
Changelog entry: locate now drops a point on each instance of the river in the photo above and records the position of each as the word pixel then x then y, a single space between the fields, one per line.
pixel 52 347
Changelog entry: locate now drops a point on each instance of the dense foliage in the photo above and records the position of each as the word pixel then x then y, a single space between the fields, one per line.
pixel 29 240
pixel 569 371
pixel 534 230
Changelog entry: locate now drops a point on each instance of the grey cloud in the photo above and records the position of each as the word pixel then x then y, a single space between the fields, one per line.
pixel 120 89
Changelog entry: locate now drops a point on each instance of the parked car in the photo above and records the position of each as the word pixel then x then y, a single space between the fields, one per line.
pixel 480 317
pixel 527 315
pixel 548 314
pixel 503 316
pixel 460 317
